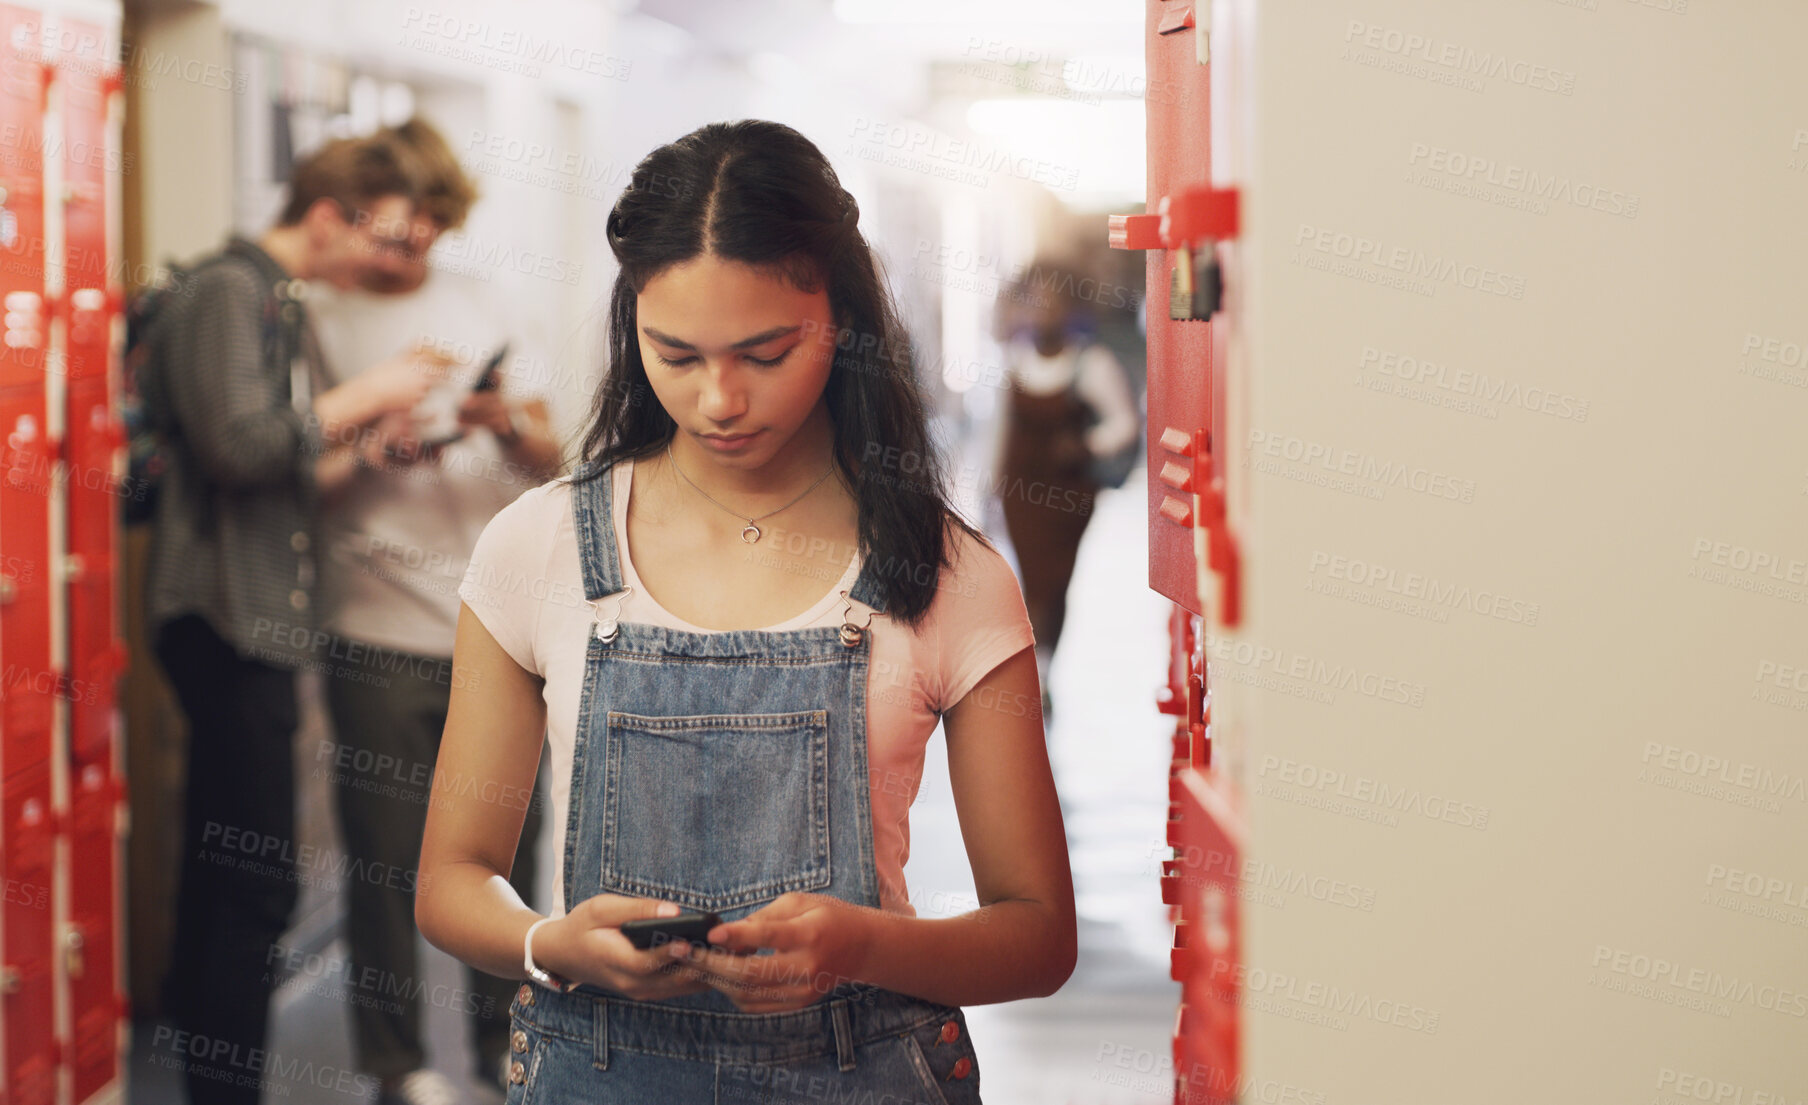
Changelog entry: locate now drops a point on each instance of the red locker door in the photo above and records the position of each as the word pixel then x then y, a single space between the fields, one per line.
pixel 95 654
pixel 87 158
pixel 92 442
pixel 25 452
pixel 27 982
pixel 1180 353
pixel 22 244
pixel 96 1006
pixel 92 434
pixel 27 680
pixel 1208 842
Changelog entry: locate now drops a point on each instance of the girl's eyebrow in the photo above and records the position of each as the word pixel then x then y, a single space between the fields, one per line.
pixel 760 338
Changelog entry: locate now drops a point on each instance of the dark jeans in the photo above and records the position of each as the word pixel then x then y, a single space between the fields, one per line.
pixel 238 884
pixel 389 711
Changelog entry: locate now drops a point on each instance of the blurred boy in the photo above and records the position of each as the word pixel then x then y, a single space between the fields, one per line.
pixel 257 437
pixel 397 541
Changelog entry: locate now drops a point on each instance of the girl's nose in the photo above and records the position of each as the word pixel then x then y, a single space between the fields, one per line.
pixel 722 399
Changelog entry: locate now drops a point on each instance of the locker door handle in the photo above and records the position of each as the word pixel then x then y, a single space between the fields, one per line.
pixel 72 951
pixel 1221 546
pixel 1134 232
pixel 1187 217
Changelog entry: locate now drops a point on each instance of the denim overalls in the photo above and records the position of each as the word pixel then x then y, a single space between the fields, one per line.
pixel 720 770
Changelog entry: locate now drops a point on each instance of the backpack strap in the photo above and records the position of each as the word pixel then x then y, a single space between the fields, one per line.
pixel 281 308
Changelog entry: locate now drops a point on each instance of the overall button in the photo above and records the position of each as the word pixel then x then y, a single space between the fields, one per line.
pixel 298 541
pixel 518 1041
pixel 526 994
pixel 962 1067
pixel 298 599
pixel 517 1073
pixel 950 1032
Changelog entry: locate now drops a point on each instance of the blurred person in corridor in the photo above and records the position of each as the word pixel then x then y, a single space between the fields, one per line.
pixel 397 541
pixel 1069 405
pixel 254 437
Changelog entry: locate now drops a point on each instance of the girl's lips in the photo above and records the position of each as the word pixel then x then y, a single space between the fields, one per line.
pixel 729 444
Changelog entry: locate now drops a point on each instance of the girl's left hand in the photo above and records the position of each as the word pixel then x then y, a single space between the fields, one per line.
pixel 818 942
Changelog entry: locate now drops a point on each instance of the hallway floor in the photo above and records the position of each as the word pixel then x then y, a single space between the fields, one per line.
pixel 1103 1039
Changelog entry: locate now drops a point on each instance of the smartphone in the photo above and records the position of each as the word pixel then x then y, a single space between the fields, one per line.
pixel 654 932
pixel 487 379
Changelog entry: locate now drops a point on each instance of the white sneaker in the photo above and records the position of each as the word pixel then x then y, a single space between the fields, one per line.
pixel 420 1087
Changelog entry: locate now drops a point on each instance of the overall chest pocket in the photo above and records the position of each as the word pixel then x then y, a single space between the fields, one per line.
pixel 716 811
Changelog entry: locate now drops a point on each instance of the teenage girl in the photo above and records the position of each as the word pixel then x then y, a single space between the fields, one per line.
pixel 737 623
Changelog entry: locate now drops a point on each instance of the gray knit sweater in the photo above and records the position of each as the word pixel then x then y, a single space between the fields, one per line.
pixel 236 534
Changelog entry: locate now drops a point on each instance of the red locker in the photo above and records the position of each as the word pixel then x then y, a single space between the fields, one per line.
pixel 1179 353
pixel 91 445
pixel 1185 222
pixel 1183 230
pixel 93 439
pixel 23 337
pixel 1208 841
pixel 60 1037
pixel 92 942
pixel 27 980
pixel 93 436
pixel 88 159
pixel 28 679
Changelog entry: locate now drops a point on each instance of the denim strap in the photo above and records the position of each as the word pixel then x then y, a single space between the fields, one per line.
pixel 844 1033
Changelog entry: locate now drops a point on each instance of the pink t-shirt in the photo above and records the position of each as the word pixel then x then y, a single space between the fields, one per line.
pixel 525 585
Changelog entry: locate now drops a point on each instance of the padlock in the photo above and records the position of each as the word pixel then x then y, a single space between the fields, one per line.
pixel 1180 286
pixel 1197 286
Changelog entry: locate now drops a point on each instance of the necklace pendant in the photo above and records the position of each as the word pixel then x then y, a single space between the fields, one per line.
pixel 750 529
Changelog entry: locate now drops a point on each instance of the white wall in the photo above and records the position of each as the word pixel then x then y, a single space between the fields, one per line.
pixel 1547 834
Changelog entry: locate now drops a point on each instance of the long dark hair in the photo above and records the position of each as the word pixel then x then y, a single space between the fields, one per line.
pixel 762 194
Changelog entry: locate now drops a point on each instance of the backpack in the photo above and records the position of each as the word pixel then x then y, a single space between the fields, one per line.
pixel 144 405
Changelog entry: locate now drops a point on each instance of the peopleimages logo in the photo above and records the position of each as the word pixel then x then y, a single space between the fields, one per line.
pixel 1709 985
pixel 1405 262
pixel 1311 455
pixel 1689 1087
pixel 1361 788
pixel 1457 58
pixel 1418 585
pixel 1518 179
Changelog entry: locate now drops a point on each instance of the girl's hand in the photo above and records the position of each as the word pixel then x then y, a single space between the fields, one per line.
pixel 586 945
pixel 819 942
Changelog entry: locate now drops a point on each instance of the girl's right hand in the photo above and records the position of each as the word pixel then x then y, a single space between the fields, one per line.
pixel 587 945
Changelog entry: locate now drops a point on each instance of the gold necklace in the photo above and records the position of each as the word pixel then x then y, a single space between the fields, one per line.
pixel 749 528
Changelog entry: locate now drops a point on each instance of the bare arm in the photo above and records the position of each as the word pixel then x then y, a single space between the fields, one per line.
pixel 1021 941
pixel 484 780
pixel 481 787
